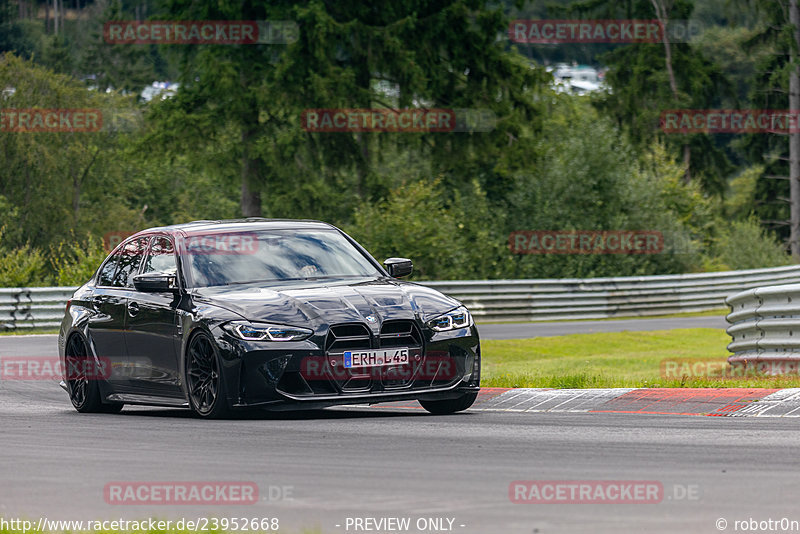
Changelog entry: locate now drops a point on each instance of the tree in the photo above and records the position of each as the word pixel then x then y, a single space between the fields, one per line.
pixel 226 89
pixel 435 55
pixel 647 78
pixel 123 67
pixel 64 184
pixel 12 34
pixel 777 190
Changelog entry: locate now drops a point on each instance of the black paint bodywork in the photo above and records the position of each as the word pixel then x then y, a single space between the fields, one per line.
pixel 147 351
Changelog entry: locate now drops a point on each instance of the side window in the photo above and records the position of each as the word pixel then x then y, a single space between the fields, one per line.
pixel 161 257
pixel 130 257
pixel 106 276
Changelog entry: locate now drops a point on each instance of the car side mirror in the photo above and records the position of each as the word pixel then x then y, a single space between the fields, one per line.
pixel 155 282
pixel 398 267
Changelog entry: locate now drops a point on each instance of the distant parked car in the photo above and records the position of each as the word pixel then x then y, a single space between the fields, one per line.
pixel 577 79
pixel 163 90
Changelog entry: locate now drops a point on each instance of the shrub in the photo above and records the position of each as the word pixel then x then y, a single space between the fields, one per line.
pixel 74 263
pixel 746 245
pixel 22 267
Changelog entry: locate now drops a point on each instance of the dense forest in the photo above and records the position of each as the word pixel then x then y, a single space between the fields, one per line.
pixel 227 138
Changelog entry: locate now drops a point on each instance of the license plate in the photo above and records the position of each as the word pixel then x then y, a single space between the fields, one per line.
pixel 375 358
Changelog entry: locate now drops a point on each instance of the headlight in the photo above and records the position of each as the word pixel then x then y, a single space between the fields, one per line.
pixel 267 332
pixel 458 318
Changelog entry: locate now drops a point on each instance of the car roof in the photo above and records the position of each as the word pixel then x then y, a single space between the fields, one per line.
pixel 249 224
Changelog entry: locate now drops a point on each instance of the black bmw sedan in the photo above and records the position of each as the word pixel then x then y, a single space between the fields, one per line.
pixel 274 314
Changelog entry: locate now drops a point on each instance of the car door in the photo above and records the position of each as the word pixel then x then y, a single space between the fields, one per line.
pixel 152 332
pixel 109 300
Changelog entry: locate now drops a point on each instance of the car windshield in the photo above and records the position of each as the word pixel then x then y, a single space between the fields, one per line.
pixel 276 255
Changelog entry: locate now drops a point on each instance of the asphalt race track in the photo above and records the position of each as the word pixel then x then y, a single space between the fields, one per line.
pixel 317 469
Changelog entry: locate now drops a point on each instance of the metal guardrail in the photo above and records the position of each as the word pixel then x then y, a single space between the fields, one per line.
pixel 33 307
pixel 763 325
pixel 504 300
pixel 600 298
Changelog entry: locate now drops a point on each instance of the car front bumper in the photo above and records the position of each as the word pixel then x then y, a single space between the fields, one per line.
pixel 292 375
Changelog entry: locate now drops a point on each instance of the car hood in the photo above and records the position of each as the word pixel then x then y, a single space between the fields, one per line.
pixel 328 302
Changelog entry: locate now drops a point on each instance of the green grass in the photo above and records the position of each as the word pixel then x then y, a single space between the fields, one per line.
pixel 615 359
pixel 28 331
pixel 719 312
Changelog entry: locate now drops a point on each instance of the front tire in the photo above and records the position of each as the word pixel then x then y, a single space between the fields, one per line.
pixel 446 407
pixel 204 379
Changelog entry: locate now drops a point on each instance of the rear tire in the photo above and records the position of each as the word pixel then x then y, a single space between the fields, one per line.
pixel 84 392
pixel 204 379
pixel 446 407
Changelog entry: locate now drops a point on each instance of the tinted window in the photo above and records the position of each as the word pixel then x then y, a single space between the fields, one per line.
pixel 106 276
pixel 161 257
pixel 129 259
pixel 275 255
